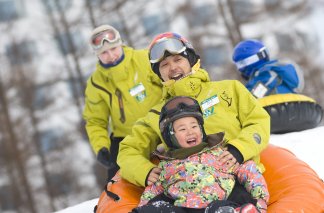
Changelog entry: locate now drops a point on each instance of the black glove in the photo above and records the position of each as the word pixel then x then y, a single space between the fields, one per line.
pixel 103 157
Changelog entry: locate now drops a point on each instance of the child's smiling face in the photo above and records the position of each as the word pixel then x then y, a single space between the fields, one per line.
pixel 187 131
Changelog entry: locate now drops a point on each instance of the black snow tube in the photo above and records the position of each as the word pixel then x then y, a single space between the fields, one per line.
pixel 292 112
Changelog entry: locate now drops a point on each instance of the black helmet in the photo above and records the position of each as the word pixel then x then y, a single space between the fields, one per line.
pixel 175 108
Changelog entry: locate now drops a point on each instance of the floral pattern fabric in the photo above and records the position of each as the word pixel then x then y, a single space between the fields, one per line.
pixel 198 180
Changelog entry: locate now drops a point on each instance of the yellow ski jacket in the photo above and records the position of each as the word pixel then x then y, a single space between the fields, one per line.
pixel 227 106
pixel 119 95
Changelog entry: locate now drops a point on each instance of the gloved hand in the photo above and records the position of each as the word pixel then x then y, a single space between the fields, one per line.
pixel 103 157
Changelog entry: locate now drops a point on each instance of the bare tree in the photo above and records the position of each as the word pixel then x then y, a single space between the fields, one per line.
pixel 91 13
pixel 7 161
pixel 74 83
pixel 13 148
pixel 230 21
pixel 71 44
pixel 27 89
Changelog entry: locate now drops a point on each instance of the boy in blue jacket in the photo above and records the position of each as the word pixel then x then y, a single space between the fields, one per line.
pixel 264 76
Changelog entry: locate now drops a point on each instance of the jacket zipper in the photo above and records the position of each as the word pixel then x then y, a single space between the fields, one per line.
pixel 121 105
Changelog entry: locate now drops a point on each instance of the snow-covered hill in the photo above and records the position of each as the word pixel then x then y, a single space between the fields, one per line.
pixel 306 145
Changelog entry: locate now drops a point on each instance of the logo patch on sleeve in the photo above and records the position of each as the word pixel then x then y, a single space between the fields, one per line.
pixel 257 138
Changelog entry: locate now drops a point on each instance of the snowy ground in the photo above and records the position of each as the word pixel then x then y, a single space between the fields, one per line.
pixel 306 145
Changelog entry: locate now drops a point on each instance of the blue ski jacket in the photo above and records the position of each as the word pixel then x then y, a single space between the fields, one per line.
pixel 275 78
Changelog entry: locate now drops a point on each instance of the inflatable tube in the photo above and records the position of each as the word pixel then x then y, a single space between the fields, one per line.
pixel 291 112
pixel 118 197
pixel 293 187
pixel 292 184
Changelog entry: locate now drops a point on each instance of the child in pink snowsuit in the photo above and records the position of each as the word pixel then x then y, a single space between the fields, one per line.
pixel 192 179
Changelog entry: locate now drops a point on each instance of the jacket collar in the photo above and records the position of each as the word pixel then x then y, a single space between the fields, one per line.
pixel 188 86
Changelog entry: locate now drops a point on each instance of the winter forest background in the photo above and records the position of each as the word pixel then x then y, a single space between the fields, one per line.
pixel 46 163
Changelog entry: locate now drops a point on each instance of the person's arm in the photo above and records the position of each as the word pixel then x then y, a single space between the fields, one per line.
pixel 151 191
pixel 135 150
pixel 251 178
pixel 230 157
pixel 152 176
pixel 96 114
pixel 264 82
pixel 291 75
pixel 255 124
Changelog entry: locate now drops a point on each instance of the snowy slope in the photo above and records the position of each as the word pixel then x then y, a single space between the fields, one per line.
pixel 306 145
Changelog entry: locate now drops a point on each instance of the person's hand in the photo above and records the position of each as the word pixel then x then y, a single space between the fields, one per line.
pixel 227 160
pixel 153 176
pixel 103 157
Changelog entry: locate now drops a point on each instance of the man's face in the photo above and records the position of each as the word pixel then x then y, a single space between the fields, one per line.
pixel 174 67
pixel 111 55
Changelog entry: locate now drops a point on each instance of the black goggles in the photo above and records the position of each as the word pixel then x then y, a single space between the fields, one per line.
pixel 176 106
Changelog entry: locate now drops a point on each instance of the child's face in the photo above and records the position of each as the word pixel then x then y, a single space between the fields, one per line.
pixel 187 132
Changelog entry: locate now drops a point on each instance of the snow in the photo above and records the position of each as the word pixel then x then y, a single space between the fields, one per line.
pixel 307 145
pixel 84 207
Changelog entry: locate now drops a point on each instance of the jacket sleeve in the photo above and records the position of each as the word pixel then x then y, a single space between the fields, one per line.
pixel 255 124
pixel 96 114
pixel 251 178
pixel 135 149
pixel 291 75
pixel 270 78
pixel 152 191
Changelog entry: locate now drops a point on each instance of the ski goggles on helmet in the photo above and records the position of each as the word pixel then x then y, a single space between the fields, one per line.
pixel 172 45
pixel 262 54
pixel 109 35
pixel 178 107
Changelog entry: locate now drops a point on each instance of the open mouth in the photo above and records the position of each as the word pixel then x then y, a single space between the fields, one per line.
pixel 178 76
pixel 192 141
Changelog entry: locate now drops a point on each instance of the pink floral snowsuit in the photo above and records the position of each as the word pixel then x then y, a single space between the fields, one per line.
pixel 199 179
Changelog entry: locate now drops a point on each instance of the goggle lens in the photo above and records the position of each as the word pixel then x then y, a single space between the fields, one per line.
pixel 176 106
pixel 173 46
pixel 97 40
pixel 173 104
pixel 262 54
